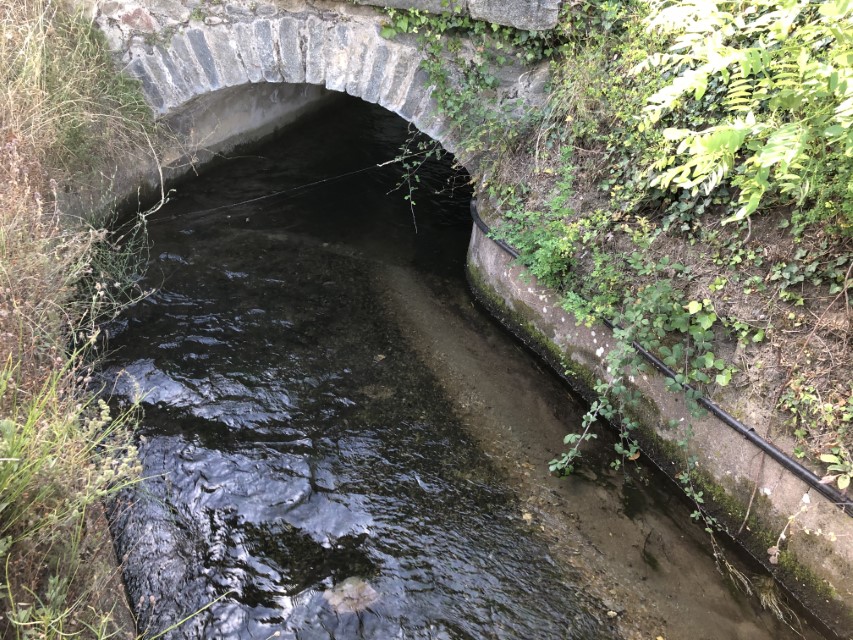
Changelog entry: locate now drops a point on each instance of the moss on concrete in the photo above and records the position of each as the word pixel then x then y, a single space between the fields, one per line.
pixel 730 506
pixel 520 322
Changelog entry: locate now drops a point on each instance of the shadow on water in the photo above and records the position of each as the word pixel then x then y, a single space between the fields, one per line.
pixel 302 464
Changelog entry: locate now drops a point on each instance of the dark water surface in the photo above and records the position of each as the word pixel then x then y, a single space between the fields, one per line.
pixel 306 474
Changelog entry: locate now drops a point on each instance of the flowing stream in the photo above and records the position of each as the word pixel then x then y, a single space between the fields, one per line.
pixel 338 444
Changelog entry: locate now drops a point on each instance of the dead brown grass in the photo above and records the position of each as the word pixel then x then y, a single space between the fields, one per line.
pixel 65 119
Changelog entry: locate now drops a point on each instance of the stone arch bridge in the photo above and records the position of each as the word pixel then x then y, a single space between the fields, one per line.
pixel 227 72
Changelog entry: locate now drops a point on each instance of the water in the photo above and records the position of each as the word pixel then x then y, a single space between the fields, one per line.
pixel 323 439
pixel 304 466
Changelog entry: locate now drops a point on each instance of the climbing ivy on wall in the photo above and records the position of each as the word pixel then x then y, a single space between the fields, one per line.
pixel 464 58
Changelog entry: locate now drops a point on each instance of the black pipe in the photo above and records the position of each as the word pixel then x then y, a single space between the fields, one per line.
pixel 807 476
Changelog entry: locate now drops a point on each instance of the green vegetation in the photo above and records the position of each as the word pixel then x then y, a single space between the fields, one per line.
pixel 780 71
pixel 65 118
pixel 688 177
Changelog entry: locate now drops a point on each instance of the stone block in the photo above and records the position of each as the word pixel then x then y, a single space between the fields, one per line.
pixel 397 80
pixel 433 6
pixel 225 55
pixel 236 9
pixel 113 34
pixel 291 55
pixel 315 54
pixel 140 20
pixel 535 15
pixel 179 85
pixel 417 93
pixel 188 66
pixel 111 8
pixel 199 46
pixel 337 48
pixel 244 36
pixel 358 59
pixel 137 69
pixel 170 12
pixel 265 47
pixel 429 116
pixel 170 88
pixel 266 11
pixel 373 86
pixel 446 133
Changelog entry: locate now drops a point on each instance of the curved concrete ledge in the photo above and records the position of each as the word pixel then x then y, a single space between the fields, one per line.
pixel 740 484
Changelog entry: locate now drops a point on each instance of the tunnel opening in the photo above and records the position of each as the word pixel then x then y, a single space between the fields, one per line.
pixel 415 196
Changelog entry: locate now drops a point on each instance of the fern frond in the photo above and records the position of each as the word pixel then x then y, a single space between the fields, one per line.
pixel 786 67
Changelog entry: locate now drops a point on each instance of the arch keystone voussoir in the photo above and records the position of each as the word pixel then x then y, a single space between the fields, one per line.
pixel 226 56
pixel 337 51
pixel 244 37
pixel 195 79
pixel 417 94
pixel 315 54
pixel 291 54
pixel 265 45
pixel 204 55
pixel 399 80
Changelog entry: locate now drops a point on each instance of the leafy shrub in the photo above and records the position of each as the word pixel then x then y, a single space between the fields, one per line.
pixel 783 70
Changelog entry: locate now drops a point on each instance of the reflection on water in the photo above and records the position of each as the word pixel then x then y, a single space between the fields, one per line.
pixel 306 475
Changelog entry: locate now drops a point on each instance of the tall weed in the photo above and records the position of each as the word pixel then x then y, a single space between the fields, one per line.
pixel 65 117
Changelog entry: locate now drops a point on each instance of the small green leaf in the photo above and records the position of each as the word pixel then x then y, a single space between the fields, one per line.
pixel 833 131
pixel 706 320
pixel 724 378
pixel 693 307
pixel 828 457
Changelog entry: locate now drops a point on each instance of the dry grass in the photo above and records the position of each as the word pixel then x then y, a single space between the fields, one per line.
pixel 65 118
pixel 60 94
pixel 40 266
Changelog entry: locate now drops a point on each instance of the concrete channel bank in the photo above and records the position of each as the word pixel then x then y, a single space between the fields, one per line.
pixel 224 74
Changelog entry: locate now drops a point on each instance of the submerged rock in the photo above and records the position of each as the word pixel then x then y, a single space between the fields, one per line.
pixel 351 596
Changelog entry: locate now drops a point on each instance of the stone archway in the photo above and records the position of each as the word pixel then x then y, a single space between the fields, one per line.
pixel 260 53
